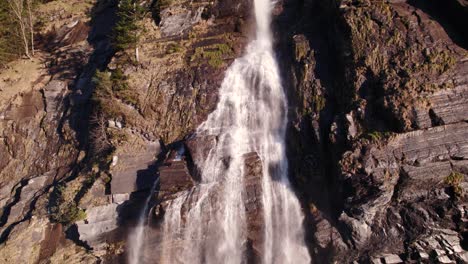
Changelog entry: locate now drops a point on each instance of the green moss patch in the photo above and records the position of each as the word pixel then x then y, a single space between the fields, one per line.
pixel 214 54
pixel 454 180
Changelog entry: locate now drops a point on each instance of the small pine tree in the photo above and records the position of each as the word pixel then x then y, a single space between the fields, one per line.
pixel 125 32
pixel 103 82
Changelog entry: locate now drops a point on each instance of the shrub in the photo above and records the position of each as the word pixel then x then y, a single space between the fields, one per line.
pixel 103 95
pixel 64 210
pixel 68 213
pixel 128 97
pixel 454 180
pixel 173 48
pixel 376 136
pixel 215 54
pixel 119 80
pixel 110 85
pixel 103 84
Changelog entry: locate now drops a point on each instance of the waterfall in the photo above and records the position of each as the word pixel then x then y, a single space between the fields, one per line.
pixel 136 238
pixel 208 224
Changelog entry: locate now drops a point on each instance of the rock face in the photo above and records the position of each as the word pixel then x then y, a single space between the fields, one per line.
pixel 407 185
pixel 390 117
pixel 446 106
pixel 39 147
pixel 377 139
pixel 177 20
pixel 409 178
pixel 132 168
pixel 174 175
pixel 100 221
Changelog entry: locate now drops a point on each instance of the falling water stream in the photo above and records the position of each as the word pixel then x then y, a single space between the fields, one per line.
pixel 208 224
pixel 136 237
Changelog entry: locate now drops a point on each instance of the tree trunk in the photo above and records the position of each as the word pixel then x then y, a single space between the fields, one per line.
pixel 31 25
pixel 25 40
pixel 137 55
pixel 17 11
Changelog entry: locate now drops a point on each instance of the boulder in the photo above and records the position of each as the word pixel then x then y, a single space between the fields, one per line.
pixel 392 259
pixel 99 221
pixel 360 231
pixel 174 177
pixel 176 20
pixel 327 235
pixel 133 170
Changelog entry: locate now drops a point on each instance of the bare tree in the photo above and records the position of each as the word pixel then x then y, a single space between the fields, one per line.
pixel 23 16
pixel 98 134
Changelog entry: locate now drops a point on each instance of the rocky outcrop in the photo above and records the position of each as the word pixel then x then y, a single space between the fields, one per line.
pixel 413 171
pixel 132 167
pixel 39 147
pixel 403 186
pixel 174 175
pixel 100 221
pixel 361 75
pixel 176 20
pixel 447 106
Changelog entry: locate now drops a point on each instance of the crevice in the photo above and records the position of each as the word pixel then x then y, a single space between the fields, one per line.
pixel 403 176
pixel 72 234
pixel 32 206
pixel 435 119
pixel 76 109
pixel 16 199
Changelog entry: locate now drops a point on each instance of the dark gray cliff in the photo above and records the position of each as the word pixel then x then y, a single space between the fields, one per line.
pixel 378 127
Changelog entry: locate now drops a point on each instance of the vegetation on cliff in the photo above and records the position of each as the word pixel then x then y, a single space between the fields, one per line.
pixel 126 31
pixel 8 40
pixel 214 54
pixel 381 37
pixel 66 211
pixel 17 21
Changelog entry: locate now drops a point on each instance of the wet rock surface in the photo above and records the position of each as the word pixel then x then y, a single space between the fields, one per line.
pixel 174 176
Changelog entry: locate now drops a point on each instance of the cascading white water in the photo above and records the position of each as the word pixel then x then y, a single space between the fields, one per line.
pixel 208 224
pixel 136 238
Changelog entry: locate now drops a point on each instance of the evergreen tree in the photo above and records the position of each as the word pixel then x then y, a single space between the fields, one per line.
pixel 125 33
